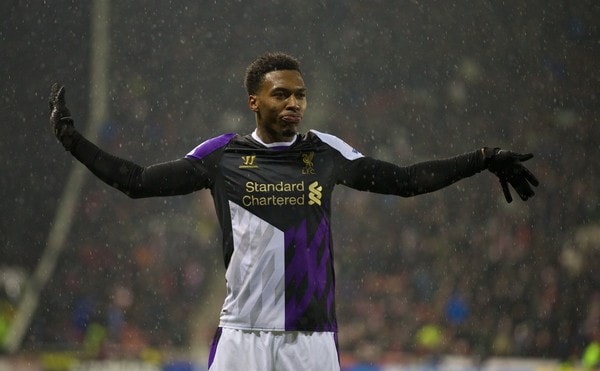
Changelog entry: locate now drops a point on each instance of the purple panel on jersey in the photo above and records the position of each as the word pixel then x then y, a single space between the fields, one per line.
pixel 309 281
pixel 213 346
pixel 210 146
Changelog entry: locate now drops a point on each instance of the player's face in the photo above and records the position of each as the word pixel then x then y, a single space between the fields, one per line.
pixel 279 105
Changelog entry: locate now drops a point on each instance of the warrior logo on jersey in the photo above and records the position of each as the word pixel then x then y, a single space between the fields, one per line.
pixel 307 159
pixel 248 162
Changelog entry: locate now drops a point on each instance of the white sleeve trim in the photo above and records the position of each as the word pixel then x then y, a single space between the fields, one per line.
pixel 342 147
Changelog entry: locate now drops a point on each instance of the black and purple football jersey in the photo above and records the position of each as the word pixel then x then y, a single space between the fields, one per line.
pixel 273 202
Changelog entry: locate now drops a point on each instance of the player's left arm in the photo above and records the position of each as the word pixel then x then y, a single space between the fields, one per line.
pixel 378 176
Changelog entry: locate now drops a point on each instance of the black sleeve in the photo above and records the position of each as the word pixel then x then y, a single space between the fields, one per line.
pixel 164 179
pixel 368 174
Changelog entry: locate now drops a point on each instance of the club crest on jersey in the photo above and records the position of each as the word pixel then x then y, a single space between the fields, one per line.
pixel 248 162
pixel 307 159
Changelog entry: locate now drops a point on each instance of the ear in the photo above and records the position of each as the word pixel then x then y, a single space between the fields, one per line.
pixel 253 103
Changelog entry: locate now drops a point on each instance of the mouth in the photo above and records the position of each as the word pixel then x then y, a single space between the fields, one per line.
pixel 292 119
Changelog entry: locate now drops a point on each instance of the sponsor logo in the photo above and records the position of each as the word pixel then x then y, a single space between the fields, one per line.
pixel 248 162
pixel 282 194
pixel 315 192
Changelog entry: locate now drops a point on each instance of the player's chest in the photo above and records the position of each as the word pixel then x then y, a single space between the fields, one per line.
pixel 277 177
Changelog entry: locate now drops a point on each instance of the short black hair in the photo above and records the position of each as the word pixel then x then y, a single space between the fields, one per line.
pixel 272 61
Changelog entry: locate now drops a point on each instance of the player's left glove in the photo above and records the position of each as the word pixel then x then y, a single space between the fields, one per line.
pixel 60 117
pixel 508 167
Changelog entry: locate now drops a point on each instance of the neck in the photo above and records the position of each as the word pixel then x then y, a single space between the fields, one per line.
pixel 271 142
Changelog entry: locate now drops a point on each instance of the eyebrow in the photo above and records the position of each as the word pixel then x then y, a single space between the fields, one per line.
pixel 281 88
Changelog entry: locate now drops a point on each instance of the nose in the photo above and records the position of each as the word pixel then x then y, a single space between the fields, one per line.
pixel 292 103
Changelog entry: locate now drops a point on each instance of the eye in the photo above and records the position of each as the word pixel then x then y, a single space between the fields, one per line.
pixel 279 94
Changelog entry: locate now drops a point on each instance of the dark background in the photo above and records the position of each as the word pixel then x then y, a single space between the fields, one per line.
pixel 403 81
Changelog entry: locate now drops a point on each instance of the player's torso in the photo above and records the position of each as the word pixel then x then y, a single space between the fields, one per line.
pixel 275 214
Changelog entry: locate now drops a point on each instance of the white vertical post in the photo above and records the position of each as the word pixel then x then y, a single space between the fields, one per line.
pixel 99 58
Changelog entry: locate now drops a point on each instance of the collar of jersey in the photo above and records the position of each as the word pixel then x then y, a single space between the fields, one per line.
pixel 274 144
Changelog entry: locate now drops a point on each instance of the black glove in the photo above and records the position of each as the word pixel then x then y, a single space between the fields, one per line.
pixel 60 117
pixel 506 165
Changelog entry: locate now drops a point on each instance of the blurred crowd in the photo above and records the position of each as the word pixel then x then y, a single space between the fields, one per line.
pixel 458 271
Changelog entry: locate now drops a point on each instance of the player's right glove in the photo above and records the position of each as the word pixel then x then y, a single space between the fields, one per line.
pixel 508 167
pixel 60 117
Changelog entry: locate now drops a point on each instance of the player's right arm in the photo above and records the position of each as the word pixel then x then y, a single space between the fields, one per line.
pixel 164 179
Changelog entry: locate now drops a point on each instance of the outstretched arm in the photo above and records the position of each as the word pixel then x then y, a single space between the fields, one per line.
pixel 383 177
pixel 165 179
pixel 378 176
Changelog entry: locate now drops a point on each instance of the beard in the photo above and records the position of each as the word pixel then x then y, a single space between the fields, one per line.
pixel 290 130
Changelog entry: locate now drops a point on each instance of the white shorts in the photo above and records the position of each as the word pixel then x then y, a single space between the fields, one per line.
pixel 249 350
